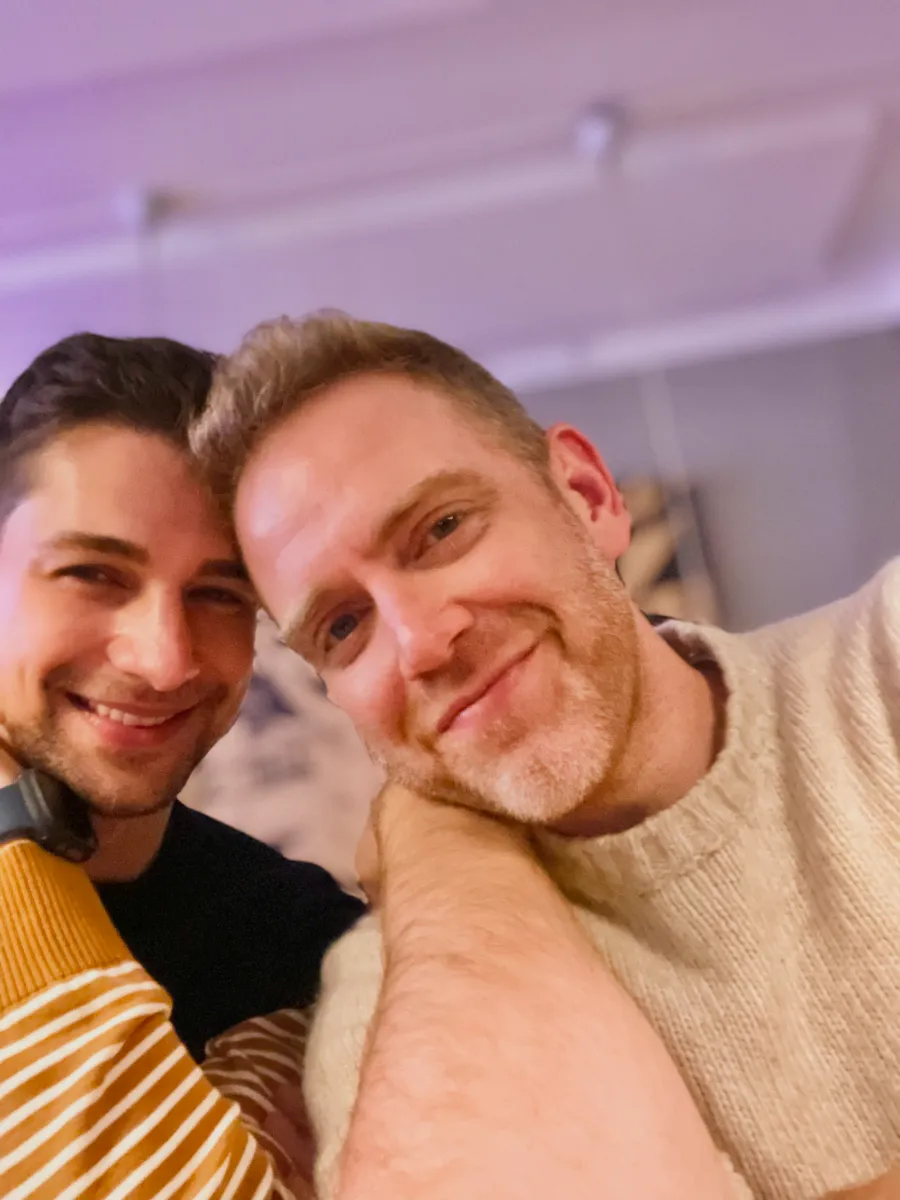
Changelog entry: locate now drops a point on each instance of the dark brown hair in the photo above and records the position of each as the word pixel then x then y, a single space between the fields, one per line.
pixel 152 385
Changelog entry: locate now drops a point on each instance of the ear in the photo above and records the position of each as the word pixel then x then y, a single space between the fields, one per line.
pixel 588 488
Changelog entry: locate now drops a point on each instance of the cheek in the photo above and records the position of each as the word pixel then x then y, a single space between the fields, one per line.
pixel 371 694
pixel 538 567
pixel 226 648
pixel 515 563
pixel 44 632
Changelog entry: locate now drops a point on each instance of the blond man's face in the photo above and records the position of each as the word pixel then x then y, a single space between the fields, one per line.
pixel 462 609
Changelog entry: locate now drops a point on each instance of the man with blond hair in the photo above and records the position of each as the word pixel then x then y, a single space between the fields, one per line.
pixel 721 810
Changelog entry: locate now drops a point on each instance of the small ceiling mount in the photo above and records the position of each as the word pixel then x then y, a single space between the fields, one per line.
pixel 140 209
pixel 598 130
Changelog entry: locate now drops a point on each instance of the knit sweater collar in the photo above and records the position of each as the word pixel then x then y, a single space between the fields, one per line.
pixel 668 845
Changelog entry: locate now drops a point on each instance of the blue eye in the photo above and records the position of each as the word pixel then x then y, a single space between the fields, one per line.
pixel 445 526
pixel 341 628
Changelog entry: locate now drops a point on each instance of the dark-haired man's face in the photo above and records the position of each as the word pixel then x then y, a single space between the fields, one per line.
pixel 127 622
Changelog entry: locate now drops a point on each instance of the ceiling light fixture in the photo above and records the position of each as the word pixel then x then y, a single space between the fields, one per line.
pixel 598 130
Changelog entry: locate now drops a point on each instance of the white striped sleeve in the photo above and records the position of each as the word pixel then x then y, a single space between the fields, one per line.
pixel 98 1098
pixel 259 1065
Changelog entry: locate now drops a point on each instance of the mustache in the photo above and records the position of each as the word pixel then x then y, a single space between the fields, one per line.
pixel 475 650
pixel 124 690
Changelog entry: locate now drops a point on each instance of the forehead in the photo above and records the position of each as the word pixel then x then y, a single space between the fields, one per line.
pixel 334 468
pixel 118 483
pixel 315 494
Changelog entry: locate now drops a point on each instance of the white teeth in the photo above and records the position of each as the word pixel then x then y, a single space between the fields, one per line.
pixel 124 718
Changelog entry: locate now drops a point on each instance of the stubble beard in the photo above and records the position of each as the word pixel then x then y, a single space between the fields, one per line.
pixel 126 789
pixel 548 773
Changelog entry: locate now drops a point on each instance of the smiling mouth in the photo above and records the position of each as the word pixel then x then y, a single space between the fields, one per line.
pixel 121 716
pixel 464 703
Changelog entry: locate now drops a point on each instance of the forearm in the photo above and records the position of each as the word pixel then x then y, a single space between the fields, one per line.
pixel 96 1092
pixel 505 1060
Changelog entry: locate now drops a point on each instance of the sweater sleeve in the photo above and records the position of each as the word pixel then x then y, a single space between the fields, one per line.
pixel 351 982
pixel 352 973
pixel 97 1095
pixel 259 1065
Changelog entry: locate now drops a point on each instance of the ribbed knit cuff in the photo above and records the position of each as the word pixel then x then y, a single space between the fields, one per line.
pixel 52 923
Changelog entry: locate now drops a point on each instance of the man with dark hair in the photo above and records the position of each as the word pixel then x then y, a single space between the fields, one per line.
pixel 128 626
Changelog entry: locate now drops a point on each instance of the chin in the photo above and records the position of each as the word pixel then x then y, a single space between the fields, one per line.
pixel 535 795
pixel 108 796
pixel 543 790
pixel 541 785
pixel 125 808
pixel 527 808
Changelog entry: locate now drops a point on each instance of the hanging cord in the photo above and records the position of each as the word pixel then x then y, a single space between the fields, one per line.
pixel 141 212
pixel 667 449
pixel 657 401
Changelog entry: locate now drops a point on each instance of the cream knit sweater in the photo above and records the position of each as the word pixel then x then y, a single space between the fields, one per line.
pixel 757 922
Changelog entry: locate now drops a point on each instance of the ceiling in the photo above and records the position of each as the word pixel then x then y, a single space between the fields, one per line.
pixel 192 166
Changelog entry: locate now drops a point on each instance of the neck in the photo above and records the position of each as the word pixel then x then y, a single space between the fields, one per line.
pixel 126 845
pixel 676 735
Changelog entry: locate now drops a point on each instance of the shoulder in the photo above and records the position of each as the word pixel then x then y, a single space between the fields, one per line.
pixel 837 667
pixel 836 673
pixel 862 628
pixel 865 624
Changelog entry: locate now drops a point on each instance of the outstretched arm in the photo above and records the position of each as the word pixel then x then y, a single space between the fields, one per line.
pixel 504 1059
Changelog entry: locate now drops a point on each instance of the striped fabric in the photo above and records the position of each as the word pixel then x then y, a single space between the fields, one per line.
pixel 98 1098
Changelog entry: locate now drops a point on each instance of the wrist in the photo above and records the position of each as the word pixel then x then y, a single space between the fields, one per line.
pixel 406 821
pixel 432 848
pixel 443 865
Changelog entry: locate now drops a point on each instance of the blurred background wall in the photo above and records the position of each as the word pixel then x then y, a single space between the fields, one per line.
pixel 675 223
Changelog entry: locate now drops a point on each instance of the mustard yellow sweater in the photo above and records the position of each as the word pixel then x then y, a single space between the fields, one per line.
pixel 757 922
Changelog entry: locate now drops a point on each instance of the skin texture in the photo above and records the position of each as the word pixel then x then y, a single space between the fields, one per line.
pixel 464 609
pixel 156 621
pixel 487 1092
pixel 885 1188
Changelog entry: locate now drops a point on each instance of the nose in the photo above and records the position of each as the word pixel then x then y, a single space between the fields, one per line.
pixel 153 642
pixel 425 626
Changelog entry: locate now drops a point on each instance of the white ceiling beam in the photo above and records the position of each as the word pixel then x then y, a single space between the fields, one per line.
pixel 843 307
pixel 360 211
pixel 851 307
pixel 648 154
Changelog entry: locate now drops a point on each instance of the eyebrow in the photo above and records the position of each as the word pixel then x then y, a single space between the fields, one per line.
pixel 225 568
pixel 396 517
pixel 443 481
pixel 98 543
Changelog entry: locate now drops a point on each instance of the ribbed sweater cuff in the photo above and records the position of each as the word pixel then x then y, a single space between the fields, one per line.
pixel 52 923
